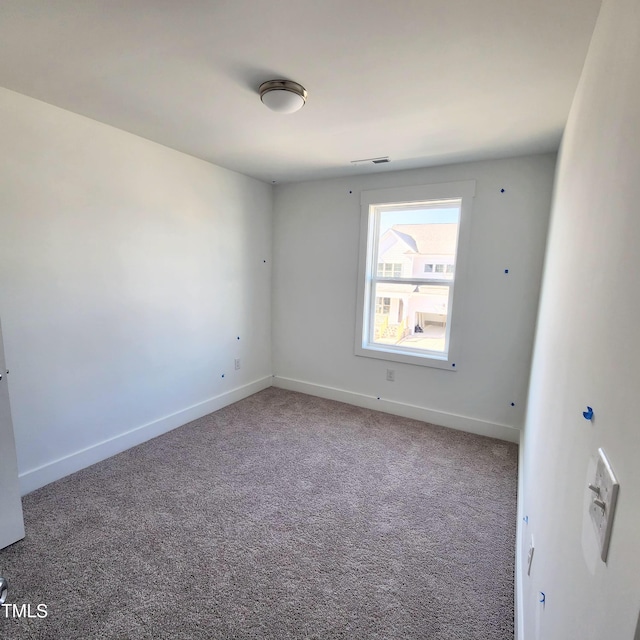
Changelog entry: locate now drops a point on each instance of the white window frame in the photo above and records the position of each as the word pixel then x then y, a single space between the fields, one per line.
pixel 364 346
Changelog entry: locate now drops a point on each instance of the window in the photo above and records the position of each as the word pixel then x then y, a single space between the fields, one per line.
pixel 433 268
pixel 405 306
pixel 390 269
pixel 383 306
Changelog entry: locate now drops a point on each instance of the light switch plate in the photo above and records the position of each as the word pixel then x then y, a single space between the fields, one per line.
pixel 603 504
pixel 532 549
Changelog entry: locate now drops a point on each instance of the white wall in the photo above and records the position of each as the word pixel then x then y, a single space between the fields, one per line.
pixel 127 272
pixel 316 238
pixel 587 353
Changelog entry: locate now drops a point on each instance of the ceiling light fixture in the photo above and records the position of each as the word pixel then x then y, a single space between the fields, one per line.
pixel 283 96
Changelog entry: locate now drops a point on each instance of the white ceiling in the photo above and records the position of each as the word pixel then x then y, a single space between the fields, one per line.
pixel 425 82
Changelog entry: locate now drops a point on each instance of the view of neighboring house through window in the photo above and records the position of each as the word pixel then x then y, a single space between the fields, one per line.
pixel 411 254
pixel 420 236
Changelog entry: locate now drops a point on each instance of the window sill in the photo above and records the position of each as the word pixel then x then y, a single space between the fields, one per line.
pixel 407 357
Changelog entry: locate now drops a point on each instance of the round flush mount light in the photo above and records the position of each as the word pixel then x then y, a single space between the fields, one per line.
pixel 283 96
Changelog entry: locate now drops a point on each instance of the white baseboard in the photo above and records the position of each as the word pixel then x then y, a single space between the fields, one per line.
pixel 451 420
pixel 39 477
pixel 518 587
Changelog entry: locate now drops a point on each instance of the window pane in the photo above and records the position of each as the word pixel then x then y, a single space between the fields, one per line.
pixel 416 239
pixel 410 316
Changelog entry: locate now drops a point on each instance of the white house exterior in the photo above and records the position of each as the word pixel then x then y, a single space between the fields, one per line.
pixel 406 312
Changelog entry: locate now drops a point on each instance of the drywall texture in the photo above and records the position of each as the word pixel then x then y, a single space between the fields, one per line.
pixel 128 272
pixel 587 353
pixel 316 239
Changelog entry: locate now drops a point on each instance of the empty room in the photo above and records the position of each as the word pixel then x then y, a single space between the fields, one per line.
pixel 318 319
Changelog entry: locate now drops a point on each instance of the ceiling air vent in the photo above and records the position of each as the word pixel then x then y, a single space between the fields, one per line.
pixel 381 160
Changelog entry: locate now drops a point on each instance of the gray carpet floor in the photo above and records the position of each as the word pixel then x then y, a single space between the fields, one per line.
pixel 281 516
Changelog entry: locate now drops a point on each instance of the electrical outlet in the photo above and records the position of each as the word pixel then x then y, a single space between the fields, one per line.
pixel 237 363
pixel 391 375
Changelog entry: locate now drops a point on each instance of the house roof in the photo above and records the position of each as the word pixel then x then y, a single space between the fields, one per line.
pixel 439 239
